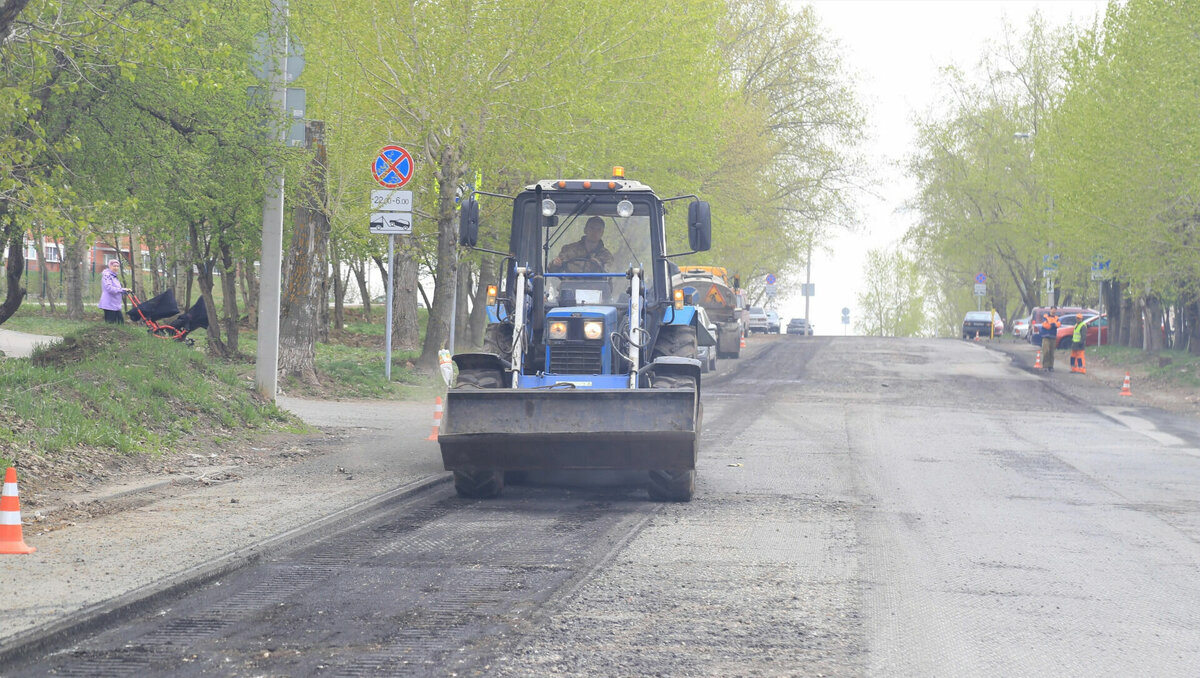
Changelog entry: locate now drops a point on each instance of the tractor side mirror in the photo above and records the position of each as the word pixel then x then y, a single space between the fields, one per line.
pixel 699 226
pixel 468 223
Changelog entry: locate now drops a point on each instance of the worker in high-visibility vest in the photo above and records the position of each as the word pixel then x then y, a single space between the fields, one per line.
pixel 1049 338
pixel 1078 339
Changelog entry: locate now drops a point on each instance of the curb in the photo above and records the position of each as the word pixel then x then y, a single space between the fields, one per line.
pixel 31 641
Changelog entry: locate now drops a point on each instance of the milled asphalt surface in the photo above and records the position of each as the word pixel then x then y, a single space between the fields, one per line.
pixel 371 449
pixel 865 507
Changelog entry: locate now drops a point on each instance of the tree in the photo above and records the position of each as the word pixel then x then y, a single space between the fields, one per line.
pixel 892 304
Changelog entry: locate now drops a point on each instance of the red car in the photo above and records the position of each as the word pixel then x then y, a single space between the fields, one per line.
pixel 1096 329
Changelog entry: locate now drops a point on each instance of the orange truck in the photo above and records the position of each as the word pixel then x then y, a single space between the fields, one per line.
pixel 712 288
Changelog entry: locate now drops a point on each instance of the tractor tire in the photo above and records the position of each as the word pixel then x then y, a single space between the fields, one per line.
pixel 480 378
pixel 479 484
pixel 497 338
pixel 672 485
pixel 680 342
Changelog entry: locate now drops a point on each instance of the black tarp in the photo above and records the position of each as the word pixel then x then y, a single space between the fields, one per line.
pixel 195 319
pixel 162 306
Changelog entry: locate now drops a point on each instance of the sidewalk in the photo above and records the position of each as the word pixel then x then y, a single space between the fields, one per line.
pixel 154 535
pixel 20 344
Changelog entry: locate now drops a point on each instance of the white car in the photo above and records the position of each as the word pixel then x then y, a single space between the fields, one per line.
pixel 1021 327
pixel 758 321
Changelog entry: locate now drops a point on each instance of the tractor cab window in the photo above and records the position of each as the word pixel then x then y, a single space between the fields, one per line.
pixel 590 236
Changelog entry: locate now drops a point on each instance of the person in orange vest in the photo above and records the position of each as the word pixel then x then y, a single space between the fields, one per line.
pixel 1049 338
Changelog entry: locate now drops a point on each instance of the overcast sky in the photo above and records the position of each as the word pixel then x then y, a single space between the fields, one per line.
pixel 895 49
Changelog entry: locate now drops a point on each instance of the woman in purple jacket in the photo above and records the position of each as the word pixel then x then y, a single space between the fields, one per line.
pixel 110 293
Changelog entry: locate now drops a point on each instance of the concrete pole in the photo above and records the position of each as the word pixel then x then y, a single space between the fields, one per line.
pixel 807 281
pixel 266 367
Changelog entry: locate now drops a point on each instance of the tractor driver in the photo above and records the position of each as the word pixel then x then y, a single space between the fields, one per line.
pixel 588 255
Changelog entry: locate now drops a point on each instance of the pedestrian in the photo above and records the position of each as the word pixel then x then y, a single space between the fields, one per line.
pixel 1049 337
pixel 1078 337
pixel 110 293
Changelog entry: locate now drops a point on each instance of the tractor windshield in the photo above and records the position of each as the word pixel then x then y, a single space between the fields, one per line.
pixel 588 236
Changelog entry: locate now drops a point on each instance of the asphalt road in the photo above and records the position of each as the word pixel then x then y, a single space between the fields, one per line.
pixel 864 507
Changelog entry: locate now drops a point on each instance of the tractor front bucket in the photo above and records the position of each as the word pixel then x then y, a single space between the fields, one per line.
pixel 553 429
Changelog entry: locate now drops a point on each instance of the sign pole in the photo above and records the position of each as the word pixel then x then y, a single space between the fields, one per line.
pixel 391 282
pixel 266 365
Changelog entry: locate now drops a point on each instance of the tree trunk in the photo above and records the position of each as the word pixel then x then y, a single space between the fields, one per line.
pixel 205 263
pixel 1191 326
pixel 14 293
pixel 339 290
pixel 359 268
pixel 478 323
pixel 462 306
pixel 1152 324
pixel 229 292
pixel 406 325
pixel 450 171
pixel 249 292
pixel 303 281
pixel 135 256
pixel 72 263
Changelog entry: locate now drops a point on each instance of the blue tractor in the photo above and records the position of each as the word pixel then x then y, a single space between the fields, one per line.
pixel 590 355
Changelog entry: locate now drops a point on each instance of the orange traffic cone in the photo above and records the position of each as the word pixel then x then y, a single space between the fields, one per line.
pixel 11 540
pixel 437 418
pixel 976 336
pixel 1125 388
pixel 1037 362
pixel 743 342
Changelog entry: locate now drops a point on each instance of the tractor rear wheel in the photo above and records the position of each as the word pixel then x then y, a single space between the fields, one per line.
pixel 479 484
pixel 476 483
pixel 667 484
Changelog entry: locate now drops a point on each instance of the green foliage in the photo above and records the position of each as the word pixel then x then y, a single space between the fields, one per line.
pixel 118 388
pixel 893 300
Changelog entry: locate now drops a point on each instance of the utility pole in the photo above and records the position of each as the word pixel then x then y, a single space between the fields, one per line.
pixel 807 283
pixel 266 368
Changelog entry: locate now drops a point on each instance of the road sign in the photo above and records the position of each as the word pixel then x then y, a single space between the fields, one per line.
pixel 261 59
pixel 980 290
pixel 393 167
pixel 980 278
pixel 391 201
pixel 1100 269
pixel 845 316
pixel 391 223
pixel 770 289
pixel 808 289
pixel 770 278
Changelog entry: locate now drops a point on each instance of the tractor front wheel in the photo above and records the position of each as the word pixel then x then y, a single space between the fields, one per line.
pixel 667 484
pixel 476 483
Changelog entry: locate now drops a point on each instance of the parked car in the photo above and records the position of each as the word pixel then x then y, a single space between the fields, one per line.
pixel 799 326
pixel 1096 330
pixel 1020 328
pixel 772 322
pixel 1039 313
pixel 984 324
pixel 757 321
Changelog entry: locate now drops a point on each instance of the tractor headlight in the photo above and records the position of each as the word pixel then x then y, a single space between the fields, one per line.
pixel 558 330
pixel 548 208
pixel 593 329
pixel 678 300
pixel 625 209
